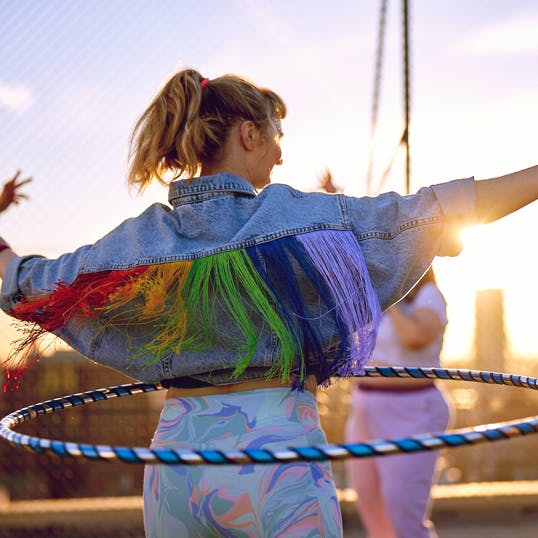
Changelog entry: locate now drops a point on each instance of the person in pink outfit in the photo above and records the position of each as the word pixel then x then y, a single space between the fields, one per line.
pixel 394 491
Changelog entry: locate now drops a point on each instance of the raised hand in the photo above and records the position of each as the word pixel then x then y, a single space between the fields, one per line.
pixel 10 193
pixel 326 183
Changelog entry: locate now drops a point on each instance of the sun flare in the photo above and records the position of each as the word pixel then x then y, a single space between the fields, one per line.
pixel 496 256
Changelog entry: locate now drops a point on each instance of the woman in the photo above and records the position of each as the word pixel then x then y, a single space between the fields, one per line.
pixel 232 298
pixel 394 492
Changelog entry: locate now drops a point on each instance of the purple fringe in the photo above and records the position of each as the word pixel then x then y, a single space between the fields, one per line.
pixel 338 258
pixel 275 262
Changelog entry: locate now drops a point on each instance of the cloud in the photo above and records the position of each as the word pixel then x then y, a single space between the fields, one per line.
pixel 16 97
pixel 513 36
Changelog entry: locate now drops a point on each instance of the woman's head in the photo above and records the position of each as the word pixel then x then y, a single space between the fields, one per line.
pixel 188 125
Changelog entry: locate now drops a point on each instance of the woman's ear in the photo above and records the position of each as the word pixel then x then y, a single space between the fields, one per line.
pixel 249 135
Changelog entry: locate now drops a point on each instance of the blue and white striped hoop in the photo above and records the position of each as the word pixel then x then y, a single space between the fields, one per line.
pixel 428 441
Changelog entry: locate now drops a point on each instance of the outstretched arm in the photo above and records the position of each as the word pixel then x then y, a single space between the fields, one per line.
pixel 500 196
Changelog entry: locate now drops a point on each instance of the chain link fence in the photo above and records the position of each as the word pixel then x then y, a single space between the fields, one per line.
pixel 82 110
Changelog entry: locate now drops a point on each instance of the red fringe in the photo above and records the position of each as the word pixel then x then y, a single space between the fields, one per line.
pixel 50 312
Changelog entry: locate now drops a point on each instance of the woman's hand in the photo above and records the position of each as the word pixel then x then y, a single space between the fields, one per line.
pixel 417 329
pixel 10 193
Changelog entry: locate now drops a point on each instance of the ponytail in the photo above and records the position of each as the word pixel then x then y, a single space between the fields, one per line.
pixel 189 121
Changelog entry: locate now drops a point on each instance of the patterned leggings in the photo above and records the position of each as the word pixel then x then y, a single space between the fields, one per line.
pixel 241 501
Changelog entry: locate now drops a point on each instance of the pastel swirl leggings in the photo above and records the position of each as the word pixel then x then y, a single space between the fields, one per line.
pixel 241 501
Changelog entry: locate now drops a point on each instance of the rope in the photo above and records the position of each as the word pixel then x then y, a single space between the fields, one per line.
pixel 407 111
pixel 377 89
pixel 404 138
pixel 418 443
pixel 388 168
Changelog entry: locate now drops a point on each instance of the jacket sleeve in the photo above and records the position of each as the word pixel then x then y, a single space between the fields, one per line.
pixel 401 235
pixel 34 275
pixel 30 276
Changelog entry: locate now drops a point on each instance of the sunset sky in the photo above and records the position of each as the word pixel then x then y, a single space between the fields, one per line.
pixel 75 75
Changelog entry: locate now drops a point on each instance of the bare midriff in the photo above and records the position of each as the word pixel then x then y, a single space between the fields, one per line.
pixel 174 392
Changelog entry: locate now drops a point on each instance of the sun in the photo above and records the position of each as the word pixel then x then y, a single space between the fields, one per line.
pixel 501 256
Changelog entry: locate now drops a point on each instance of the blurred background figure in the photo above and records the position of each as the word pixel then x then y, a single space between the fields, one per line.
pixel 326 183
pixel 10 192
pixel 394 491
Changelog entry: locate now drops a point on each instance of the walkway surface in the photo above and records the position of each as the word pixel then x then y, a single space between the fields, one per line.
pixel 482 510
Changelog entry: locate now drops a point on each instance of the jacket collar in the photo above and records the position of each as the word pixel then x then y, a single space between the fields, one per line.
pixel 185 191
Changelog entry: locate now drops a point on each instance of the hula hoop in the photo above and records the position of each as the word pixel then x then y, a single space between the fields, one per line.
pixel 429 441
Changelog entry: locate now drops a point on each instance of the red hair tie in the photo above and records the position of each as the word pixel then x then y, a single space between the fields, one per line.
pixel 204 82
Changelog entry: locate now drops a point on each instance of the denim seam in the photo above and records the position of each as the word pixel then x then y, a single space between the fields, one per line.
pixel 342 203
pixel 166 367
pixel 406 226
pixel 95 344
pixel 217 250
pixel 187 199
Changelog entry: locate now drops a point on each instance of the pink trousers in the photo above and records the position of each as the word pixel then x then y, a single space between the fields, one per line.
pixel 394 491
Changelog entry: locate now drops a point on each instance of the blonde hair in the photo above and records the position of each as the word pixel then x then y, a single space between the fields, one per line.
pixel 188 123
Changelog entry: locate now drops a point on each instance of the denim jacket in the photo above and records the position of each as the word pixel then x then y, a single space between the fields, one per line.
pixel 229 284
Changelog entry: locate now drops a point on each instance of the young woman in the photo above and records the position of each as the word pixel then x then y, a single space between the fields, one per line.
pixel 233 297
pixel 394 492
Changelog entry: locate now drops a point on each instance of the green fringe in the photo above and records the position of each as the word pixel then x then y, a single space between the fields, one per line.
pixel 228 282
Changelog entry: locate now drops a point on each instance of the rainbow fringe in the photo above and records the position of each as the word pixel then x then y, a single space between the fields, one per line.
pixel 182 302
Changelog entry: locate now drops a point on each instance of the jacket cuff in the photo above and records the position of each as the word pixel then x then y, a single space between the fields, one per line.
pixel 10 283
pixel 458 203
pixel 458 200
